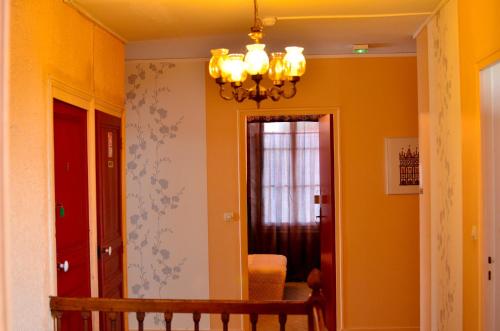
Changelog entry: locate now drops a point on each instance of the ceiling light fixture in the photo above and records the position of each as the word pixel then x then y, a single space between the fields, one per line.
pixel 234 69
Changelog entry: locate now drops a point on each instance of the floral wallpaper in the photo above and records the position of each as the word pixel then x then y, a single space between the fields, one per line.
pixel 445 159
pixel 166 176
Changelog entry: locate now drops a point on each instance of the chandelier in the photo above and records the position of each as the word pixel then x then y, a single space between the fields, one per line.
pixel 233 69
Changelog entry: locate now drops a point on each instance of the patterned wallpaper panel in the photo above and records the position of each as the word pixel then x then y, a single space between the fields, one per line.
pixel 446 170
pixel 166 185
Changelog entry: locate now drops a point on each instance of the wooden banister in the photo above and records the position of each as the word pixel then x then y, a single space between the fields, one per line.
pixel 179 306
pixel 313 307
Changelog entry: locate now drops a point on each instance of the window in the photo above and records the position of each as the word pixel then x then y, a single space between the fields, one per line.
pixel 290 172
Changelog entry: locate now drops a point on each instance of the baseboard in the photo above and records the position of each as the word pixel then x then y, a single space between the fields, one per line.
pixel 387 328
pixel 162 329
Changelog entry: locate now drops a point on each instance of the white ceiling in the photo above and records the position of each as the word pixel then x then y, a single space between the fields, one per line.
pixel 189 28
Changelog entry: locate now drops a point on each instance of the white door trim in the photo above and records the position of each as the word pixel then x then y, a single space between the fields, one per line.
pixel 490 148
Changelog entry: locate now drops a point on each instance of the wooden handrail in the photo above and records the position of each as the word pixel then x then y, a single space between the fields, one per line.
pixel 180 306
pixel 313 307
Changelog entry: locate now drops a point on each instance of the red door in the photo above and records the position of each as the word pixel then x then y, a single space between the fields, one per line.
pixel 327 224
pixel 109 210
pixel 71 193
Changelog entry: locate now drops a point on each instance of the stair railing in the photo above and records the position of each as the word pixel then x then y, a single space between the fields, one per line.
pixel 112 309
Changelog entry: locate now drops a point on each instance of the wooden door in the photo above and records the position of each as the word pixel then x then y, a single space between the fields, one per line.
pixel 71 195
pixel 327 223
pixel 109 210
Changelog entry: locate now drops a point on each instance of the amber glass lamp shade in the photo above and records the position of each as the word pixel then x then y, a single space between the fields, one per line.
pixel 234 68
pixel 295 63
pixel 256 59
pixel 277 68
pixel 217 61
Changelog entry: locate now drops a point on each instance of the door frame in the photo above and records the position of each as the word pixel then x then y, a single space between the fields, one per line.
pixel 84 100
pixel 242 115
pixel 4 69
pixel 485 236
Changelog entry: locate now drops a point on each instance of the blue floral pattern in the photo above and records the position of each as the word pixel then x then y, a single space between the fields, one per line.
pixel 150 128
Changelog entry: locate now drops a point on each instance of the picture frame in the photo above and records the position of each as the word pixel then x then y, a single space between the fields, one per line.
pixel 402 165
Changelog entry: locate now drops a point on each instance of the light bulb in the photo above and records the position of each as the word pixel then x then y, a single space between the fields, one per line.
pixel 256 59
pixel 216 62
pixel 234 68
pixel 295 63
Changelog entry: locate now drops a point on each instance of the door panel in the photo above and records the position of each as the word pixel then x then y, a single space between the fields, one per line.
pixel 109 209
pixel 71 194
pixel 327 223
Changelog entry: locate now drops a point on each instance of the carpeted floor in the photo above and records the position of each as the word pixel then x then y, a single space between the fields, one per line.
pixel 293 291
pixel 296 291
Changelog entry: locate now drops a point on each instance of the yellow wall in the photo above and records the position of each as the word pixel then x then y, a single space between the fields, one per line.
pixel 377 99
pixel 48 40
pixel 479 39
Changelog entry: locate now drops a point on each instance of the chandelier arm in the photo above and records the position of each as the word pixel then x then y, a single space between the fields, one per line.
pixel 240 93
pixel 275 93
pixel 292 91
pixel 222 89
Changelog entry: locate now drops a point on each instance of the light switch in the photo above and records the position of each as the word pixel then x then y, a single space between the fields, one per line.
pixel 229 216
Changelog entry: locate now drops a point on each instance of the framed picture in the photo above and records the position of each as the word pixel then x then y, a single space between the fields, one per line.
pixel 402 166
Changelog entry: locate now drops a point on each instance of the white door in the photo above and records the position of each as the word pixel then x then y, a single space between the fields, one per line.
pixel 490 130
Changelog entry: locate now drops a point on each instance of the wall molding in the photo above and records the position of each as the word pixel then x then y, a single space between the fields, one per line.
pixel 109 108
pixel 311 56
pixel 440 5
pixel 67 93
pixel 331 17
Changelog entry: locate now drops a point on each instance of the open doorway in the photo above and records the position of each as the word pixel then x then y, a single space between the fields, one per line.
pixel 289 194
pixel 283 220
pixel 490 141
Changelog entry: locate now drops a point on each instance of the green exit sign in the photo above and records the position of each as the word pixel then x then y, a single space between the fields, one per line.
pixel 360 49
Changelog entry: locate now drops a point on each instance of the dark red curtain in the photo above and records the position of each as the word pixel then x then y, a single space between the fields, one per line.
pixel 283 177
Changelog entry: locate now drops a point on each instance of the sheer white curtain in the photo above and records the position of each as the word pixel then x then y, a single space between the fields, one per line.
pixel 290 172
pixel 283 177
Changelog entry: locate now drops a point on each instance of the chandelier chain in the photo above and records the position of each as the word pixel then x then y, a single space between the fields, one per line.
pixel 257 23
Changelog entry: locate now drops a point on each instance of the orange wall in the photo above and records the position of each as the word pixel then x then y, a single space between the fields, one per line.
pixel 48 40
pixel 479 39
pixel 377 98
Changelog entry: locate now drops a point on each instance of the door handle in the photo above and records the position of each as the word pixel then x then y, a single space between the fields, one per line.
pixel 63 266
pixel 108 250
